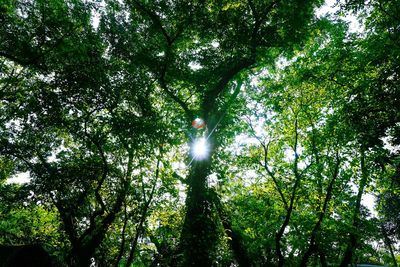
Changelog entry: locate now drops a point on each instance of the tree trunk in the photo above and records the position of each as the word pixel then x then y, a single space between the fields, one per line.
pixel 139 231
pixel 297 175
pixel 279 234
pixel 388 243
pixel 122 245
pixel 84 247
pixel 322 259
pixel 348 255
pixel 313 246
pixel 83 256
pixel 199 229
pixel 143 217
pixel 198 233
pixel 236 242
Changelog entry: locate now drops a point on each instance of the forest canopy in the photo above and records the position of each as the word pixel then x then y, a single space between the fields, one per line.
pixel 200 132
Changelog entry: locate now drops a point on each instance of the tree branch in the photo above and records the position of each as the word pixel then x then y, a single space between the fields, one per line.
pixel 139 228
pixel 155 19
pixel 313 246
pixel 213 93
pixel 265 165
pixel 180 102
pixel 24 63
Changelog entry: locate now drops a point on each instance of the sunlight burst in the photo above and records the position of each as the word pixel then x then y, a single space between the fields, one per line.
pixel 200 148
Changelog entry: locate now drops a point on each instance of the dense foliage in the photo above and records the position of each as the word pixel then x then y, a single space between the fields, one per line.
pixel 302 115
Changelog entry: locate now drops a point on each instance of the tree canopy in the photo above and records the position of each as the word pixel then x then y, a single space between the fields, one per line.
pixel 297 163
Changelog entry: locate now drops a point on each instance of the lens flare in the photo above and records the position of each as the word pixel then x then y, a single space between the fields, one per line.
pixel 200 149
pixel 198 123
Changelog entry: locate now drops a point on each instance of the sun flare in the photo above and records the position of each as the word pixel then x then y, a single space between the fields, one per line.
pixel 200 148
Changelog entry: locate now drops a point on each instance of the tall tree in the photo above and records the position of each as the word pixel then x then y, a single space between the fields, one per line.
pixel 97 101
pixel 221 39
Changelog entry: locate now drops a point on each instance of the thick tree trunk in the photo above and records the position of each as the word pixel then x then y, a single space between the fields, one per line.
pixel 351 246
pixel 198 233
pixel 199 229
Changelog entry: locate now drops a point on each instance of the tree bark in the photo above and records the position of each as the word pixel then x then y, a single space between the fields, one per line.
pixel 313 246
pixel 236 242
pixel 198 229
pixel 388 243
pixel 122 245
pixel 297 175
pixel 322 258
pixel 143 217
pixel 352 244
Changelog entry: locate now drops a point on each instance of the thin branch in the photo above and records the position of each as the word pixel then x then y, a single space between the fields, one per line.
pixel 103 176
pixel 296 155
pixel 169 40
pixel 265 165
pixel 263 16
pixel 232 97
pixel 259 20
pixel 139 228
pixel 392 16
pixel 313 245
pixel 253 9
pixel 122 245
pixel 281 231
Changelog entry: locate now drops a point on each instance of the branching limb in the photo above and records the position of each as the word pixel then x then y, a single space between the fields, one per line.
pixel 265 164
pixel 313 245
pixel 143 216
pixel 211 95
pixel 180 102
pixel 154 18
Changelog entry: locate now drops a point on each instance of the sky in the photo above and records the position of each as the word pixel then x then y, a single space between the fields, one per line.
pixel 331 7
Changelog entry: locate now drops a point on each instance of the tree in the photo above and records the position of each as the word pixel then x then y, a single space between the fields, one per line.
pixel 228 38
pixel 69 120
pixel 97 101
